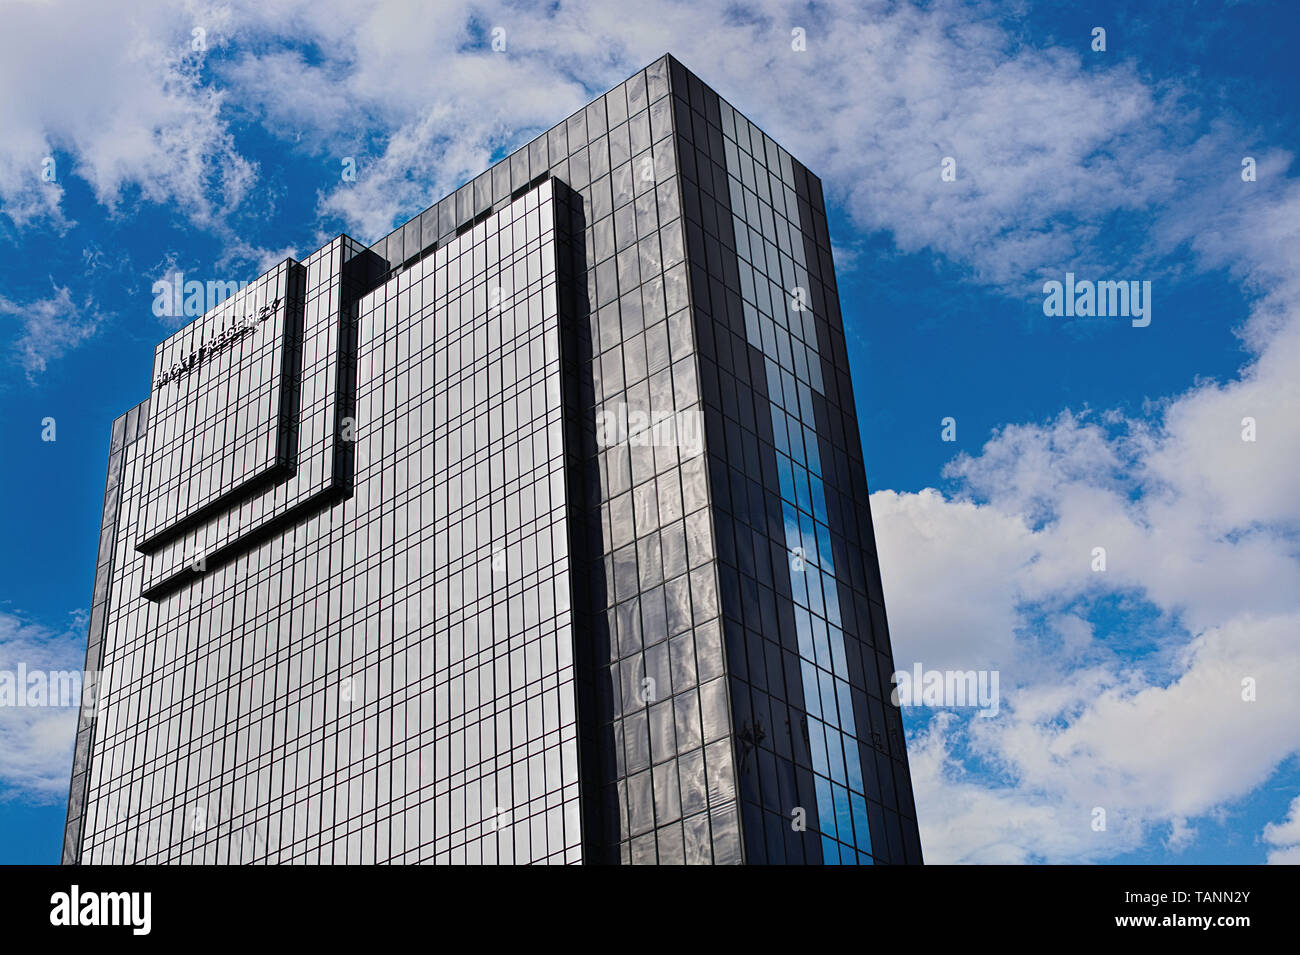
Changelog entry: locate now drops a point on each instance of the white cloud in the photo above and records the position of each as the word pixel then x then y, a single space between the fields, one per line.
pixel 415 95
pixel 1199 526
pixel 120 100
pixel 439 126
pixel 882 93
pixel 36 742
pixel 1287 856
pixel 1284 837
pixel 971 557
pixel 50 327
pixel 1287 832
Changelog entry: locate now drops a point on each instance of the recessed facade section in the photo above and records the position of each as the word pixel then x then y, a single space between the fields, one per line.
pixel 222 407
pixel 317 408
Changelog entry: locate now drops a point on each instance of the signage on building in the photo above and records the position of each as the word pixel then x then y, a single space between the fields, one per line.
pixel 237 328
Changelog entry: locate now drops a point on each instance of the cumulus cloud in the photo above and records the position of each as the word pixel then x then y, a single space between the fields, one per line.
pixel 1284 837
pixel 1170 708
pixel 119 102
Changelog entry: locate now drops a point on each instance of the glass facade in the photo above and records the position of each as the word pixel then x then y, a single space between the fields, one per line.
pixel 535 532
pixel 807 646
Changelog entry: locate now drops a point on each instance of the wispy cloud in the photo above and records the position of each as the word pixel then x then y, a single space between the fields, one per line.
pixel 49 327
pixel 1046 152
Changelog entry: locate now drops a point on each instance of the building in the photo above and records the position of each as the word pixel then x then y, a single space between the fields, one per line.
pixel 535 532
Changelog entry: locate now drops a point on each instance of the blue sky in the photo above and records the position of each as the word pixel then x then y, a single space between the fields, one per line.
pixel 1118 689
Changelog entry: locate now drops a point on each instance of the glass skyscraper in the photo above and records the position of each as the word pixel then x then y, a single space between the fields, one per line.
pixel 537 531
